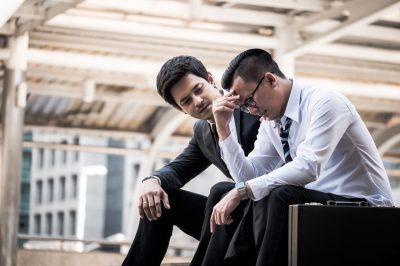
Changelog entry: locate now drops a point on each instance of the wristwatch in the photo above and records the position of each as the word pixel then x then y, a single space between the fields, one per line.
pixel 152 176
pixel 241 188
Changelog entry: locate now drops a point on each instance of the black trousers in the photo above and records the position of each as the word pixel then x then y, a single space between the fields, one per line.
pixel 190 212
pixel 212 247
pixel 265 225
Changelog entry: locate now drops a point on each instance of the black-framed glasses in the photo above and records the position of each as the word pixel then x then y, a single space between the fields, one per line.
pixel 249 102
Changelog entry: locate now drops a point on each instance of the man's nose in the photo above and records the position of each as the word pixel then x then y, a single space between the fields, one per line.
pixel 198 100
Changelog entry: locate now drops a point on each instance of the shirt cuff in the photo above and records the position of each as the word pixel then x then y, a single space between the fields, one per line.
pixel 258 187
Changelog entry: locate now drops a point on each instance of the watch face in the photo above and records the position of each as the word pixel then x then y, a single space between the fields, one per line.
pixel 240 185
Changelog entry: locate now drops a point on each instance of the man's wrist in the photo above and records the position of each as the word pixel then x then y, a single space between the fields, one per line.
pixel 241 189
pixel 249 192
pixel 224 134
pixel 152 177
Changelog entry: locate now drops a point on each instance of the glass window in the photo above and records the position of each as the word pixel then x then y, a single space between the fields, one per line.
pixel 60 218
pixel 76 153
pixel 41 158
pixel 50 185
pixel 49 224
pixel 53 157
pixel 64 153
pixel 72 222
pixel 39 190
pixel 74 186
pixel 135 174
pixel 37 224
pixel 62 188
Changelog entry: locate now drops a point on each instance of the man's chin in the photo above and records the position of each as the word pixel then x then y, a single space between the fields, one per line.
pixel 205 116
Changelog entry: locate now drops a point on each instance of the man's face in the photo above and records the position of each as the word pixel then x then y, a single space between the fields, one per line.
pixel 195 96
pixel 266 98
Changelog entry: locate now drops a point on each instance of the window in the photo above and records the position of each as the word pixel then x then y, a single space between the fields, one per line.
pixel 50 185
pixel 39 189
pixel 37 224
pixel 41 158
pixel 76 153
pixel 23 223
pixel 49 223
pixel 60 223
pixel 64 153
pixel 135 174
pixel 72 222
pixel 53 157
pixel 62 188
pixel 74 186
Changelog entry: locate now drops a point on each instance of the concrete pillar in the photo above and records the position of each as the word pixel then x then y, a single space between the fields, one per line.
pixel 285 60
pixel 12 122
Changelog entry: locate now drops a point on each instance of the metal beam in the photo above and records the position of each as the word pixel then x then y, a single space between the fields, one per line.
pixel 88 132
pixel 48 14
pixel 142 97
pixel 181 10
pixel 183 33
pixel 97 149
pixel 387 139
pixel 357 52
pixel 301 5
pixel 359 11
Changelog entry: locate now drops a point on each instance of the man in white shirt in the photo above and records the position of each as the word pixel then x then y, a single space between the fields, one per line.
pixel 312 146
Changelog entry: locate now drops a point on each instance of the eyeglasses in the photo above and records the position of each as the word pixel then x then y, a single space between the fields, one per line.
pixel 249 102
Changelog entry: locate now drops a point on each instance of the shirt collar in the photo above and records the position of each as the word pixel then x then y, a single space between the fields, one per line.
pixel 293 106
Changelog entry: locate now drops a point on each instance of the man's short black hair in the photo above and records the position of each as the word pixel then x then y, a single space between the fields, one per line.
pixel 173 71
pixel 250 65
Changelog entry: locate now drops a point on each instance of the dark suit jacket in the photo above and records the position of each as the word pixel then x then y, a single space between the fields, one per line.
pixel 201 152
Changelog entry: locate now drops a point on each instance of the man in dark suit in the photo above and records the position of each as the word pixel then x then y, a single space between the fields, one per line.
pixel 184 83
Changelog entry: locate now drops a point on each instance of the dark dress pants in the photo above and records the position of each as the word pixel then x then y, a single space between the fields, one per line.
pixel 187 212
pixel 271 216
pixel 212 247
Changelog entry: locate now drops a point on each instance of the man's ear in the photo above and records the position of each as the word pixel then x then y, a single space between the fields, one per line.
pixel 210 78
pixel 271 78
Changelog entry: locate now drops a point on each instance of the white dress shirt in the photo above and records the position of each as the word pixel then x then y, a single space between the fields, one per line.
pixel 331 148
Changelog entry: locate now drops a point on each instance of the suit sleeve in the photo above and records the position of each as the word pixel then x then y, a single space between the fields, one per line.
pixel 183 168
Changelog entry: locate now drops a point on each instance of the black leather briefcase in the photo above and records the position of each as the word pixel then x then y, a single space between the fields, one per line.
pixel 321 235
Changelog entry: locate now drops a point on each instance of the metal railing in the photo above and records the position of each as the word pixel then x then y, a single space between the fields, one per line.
pixel 177 248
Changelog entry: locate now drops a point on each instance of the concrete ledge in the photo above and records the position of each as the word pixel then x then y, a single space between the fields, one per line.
pixel 59 258
pixel 27 257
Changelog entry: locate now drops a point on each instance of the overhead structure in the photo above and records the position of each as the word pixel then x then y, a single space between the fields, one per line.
pixel 92 65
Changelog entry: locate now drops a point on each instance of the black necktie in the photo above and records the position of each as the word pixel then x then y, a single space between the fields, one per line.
pixel 284 134
pixel 216 138
pixel 214 131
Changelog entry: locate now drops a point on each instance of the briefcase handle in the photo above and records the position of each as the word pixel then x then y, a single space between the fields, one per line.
pixel 348 203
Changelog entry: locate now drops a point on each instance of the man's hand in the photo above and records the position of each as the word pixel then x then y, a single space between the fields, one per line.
pixel 150 199
pixel 222 210
pixel 223 108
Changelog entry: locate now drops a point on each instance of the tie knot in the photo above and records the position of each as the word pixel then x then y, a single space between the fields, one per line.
pixel 286 126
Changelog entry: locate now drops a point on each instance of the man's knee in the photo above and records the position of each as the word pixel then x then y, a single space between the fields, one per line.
pixel 283 193
pixel 220 189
